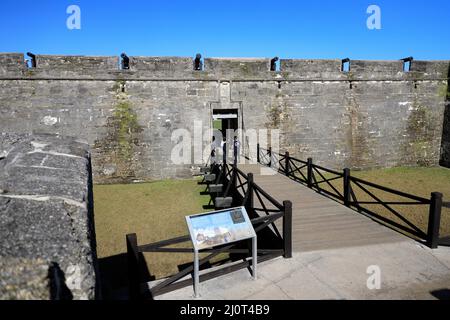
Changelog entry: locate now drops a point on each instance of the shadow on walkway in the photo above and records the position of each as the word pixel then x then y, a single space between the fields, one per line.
pixel 441 294
pixel 113 274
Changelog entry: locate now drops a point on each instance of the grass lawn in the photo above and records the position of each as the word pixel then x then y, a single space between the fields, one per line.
pixel 417 181
pixel 154 211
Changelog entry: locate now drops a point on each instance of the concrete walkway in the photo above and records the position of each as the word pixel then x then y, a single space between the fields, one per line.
pixel 408 271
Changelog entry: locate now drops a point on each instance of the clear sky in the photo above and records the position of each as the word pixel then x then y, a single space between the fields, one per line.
pixel 229 28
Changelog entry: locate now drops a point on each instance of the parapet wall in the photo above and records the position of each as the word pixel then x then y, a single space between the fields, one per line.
pixel 91 67
pixel 47 235
pixel 11 64
pixel 75 66
pixel 377 70
pixel 374 115
pixel 238 68
pixel 312 69
pixel 177 65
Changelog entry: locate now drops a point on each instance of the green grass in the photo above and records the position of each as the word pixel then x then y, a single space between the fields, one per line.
pixel 419 181
pixel 154 211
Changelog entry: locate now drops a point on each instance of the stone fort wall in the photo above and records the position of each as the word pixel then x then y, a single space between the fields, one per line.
pixel 375 115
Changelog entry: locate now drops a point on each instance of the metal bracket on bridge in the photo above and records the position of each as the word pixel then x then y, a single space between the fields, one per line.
pixel 215 188
pixel 223 202
pixel 210 177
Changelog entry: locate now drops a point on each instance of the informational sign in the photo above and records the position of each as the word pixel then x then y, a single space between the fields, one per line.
pixel 215 228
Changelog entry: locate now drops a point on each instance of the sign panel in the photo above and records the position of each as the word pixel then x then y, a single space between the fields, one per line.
pixel 215 228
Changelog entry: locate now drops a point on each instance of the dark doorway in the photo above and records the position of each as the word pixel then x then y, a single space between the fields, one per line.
pixel 225 119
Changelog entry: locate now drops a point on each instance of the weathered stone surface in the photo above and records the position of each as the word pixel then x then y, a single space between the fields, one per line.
pixel 312 69
pixel 11 64
pixel 46 213
pixel 74 66
pixel 24 279
pixel 238 68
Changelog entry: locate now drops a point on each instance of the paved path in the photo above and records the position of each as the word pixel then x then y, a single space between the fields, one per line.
pixel 318 222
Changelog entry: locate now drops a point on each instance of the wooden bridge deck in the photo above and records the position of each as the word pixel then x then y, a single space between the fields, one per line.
pixel 318 222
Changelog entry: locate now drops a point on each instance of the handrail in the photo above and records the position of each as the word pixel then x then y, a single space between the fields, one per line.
pixel 295 159
pixel 328 170
pixel 374 185
pixel 397 192
pixel 287 166
pixel 268 197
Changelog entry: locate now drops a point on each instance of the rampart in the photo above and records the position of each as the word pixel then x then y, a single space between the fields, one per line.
pixel 373 115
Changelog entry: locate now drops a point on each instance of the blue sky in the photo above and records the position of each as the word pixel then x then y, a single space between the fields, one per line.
pixel 231 28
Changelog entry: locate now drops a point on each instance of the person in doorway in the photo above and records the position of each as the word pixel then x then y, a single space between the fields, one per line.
pixel 236 149
pixel 213 151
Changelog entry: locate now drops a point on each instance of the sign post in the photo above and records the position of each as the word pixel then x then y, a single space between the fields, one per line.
pixel 212 229
pixel 196 274
pixel 255 256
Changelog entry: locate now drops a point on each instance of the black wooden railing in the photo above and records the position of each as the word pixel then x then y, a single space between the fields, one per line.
pixel 323 180
pixel 263 210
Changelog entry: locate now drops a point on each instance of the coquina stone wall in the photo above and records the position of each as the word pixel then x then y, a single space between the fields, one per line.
pixel 47 236
pixel 375 115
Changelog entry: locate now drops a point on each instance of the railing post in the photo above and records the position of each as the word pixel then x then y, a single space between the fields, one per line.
pixel 286 164
pixel 257 153
pixel 250 190
pixel 224 151
pixel 434 220
pixel 287 229
pixel 347 187
pixel 234 177
pixel 269 153
pixel 309 173
pixel 133 266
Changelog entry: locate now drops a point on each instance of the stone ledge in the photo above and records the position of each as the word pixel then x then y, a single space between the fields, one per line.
pixel 46 216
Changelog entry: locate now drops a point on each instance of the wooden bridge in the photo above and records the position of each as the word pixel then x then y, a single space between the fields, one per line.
pixel 319 222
